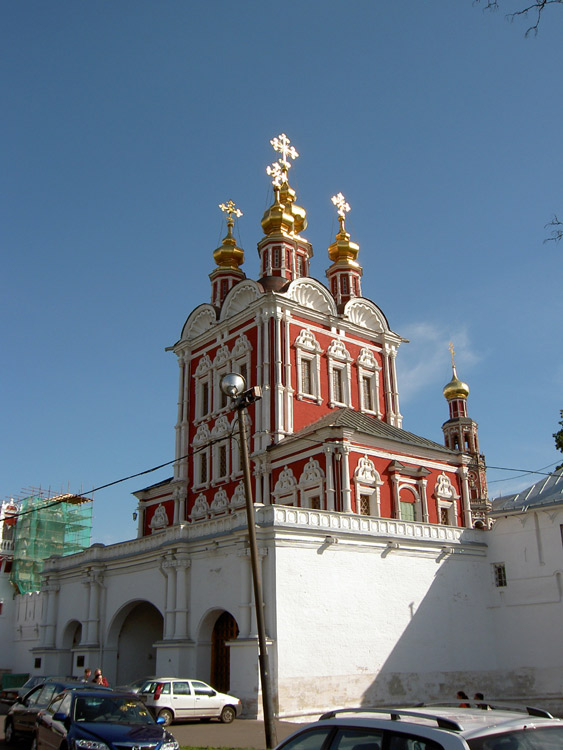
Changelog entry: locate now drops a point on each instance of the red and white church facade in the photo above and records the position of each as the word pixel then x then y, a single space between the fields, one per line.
pixel 372 540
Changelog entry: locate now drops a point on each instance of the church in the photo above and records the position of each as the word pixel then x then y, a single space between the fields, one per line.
pixel 375 544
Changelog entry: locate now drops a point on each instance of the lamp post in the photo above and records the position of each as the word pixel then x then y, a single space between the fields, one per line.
pixel 234 385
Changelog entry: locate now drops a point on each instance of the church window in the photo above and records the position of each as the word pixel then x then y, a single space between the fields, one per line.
pixel 444 520
pixel 344 284
pixel 339 360
pixel 367 483
pixel 315 502
pixel 407 511
pixel 203 467
pixel 499 573
pixel 224 288
pixel 308 363
pixel 276 262
pixel 368 381
pixel 222 460
pixel 204 398
pixel 364 505
pixel 299 266
pixel 446 500
pixel 334 285
pixel 367 392
pixel 337 393
pixel 311 485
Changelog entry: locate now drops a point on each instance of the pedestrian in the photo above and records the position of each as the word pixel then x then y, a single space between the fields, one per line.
pixel 479 698
pixel 99 679
pixel 461 696
pixel 87 675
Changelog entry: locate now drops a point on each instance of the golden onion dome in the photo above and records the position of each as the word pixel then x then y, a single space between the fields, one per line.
pixel 287 197
pixel 229 255
pixel 342 250
pixel 277 220
pixel 455 388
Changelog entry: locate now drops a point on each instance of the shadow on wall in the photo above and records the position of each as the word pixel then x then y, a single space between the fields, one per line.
pixel 447 642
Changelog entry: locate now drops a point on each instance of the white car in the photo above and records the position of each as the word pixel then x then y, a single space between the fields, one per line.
pixel 430 728
pixel 173 699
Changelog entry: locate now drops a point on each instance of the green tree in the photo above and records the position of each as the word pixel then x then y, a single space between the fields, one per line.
pixel 559 439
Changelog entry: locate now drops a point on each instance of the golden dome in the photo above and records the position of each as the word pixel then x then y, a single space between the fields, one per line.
pixel 277 220
pixel 229 255
pixel 342 250
pixel 455 388
pixel 287 197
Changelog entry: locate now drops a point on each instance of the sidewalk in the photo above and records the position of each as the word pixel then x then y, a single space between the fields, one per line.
pixel 242 733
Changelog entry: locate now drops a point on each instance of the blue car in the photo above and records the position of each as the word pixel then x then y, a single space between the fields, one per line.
pixel 92 719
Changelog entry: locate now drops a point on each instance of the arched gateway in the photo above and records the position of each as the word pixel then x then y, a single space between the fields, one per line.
pixel 134 631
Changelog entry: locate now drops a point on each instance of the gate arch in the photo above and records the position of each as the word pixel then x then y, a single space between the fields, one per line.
pixel 217 628
pixel 134 630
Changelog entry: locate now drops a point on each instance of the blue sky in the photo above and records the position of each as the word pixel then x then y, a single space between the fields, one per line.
pixel 126 123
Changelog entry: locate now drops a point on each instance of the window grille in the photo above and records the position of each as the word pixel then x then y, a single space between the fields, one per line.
pixel 499 571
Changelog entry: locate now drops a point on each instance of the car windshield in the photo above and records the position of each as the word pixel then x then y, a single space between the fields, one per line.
pixel 111 709
pixel 529 738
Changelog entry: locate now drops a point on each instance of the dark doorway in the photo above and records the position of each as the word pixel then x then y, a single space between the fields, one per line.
pixel 225 629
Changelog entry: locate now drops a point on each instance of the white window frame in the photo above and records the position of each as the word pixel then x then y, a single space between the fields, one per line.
pixel 447 498
pixel 285 491
pixel 203 375
pixel 312 484
pixel 308 349
pixel 368 369
pixel 368 482
pixel 339 359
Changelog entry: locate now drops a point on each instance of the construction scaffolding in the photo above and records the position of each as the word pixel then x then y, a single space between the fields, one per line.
pixel 46 526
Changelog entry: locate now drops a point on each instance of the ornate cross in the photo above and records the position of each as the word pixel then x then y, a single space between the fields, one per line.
pixel 230 209
pixel 340 203
pixel 281 144
pixel 276 173
pixel 452 352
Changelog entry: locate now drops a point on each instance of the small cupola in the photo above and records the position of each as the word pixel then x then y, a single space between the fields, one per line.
pixel 345 273
pixel 228 257
pixel 283 252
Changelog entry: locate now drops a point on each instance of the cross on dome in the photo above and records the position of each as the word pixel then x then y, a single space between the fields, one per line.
pixel 276 172
pixel 340 203
pixel 281 144
pixel 230 209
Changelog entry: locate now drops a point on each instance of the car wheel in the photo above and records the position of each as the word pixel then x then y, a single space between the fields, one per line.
pixel 9 734
pixel 228 714
pixel 167 715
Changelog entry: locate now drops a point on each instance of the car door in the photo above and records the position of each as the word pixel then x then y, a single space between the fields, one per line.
pixel 22 713
pixel 207 701
pixel 51 732
pixel 182 699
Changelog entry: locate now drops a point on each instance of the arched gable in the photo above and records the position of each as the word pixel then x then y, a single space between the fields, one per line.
pixel 312 294
pixel 363 312
pixel 200 320
pixel 240 297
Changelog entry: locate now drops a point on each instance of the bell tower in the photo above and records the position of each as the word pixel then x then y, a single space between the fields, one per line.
pixel 284 253
pixel 461 434
pixel 345 273
pixel 228 258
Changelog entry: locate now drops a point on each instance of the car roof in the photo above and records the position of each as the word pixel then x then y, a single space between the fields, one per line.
pixel 468 722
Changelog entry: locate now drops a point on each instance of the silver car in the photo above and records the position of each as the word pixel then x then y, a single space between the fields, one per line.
pixel 173 699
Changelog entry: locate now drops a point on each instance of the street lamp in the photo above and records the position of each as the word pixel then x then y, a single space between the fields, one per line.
pixel 234 386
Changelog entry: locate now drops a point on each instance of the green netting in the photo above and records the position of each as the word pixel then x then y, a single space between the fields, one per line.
pixel 42 530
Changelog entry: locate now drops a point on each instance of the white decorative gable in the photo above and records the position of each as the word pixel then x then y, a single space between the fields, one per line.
pixel 221 426
pixel 309 293
pixel 367 360
pixel 238 499
pixel 366 472
pixel 312 473
pixel 220 502
pixel 241 296
pixel 444 488
pixel 307 341
pixel 337 350
pixel 200 509
pixel 202 319
pixel 242 346
pixel 203 366
pixel 159 519
pixel 223 355
pixel 202 435
pixel 364 313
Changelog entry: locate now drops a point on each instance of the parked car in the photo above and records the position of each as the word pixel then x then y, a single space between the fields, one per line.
pixel 135 687
pixel 20 719
pixel 173 699
pixel 11 694
pixel 96 719
pixel 429 728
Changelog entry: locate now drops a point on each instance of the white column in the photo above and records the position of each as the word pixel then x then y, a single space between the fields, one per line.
pixel 245 605
pixel 395 494
pixel 465 497
pixel 279 389
pixel 170 605
pixel 330 489
pixel 182 567
pixel 51 619
pixel 422 486
pixel 346 494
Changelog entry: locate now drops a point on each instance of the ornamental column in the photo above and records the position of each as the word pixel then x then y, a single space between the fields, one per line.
pixel 346 493
pixel 169 571
pixel 330 489
pixel 422 485
pixel 465 497
pixel 396 501
pixel 245 606
pixel 183 564
pixel 51 588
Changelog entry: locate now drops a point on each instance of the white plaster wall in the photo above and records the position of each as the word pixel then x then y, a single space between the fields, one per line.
pixel 528 612
pixel 354 620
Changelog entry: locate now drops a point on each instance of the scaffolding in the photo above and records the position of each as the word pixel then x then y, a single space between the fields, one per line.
pixel 46 526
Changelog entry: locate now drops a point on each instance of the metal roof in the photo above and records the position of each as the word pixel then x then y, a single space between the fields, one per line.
pixel 548 491
pixel 363 423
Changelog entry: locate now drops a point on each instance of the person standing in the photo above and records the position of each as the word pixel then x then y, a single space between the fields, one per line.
pixel 99 679
pixel 87 675
pixel 461 696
